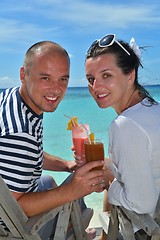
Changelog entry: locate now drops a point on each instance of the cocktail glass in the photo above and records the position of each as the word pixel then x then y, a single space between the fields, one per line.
pixel 80 135
pixel 94 151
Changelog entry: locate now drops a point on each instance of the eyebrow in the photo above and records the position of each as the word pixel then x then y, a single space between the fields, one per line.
pixel 65 76
pixel 87 75
pixel 104 70
pixel 46 74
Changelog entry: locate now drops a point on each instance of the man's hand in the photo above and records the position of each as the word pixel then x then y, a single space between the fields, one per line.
pixel 86 180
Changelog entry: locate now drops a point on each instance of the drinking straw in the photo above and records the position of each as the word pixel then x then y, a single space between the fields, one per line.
pixel 71 120
pixel 87 131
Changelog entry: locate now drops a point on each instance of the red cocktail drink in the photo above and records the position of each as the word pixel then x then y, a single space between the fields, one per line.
pixel 80 135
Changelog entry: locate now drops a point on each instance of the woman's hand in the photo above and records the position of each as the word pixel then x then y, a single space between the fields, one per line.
pixel 108 177
pixel 80 160
pixel 107 173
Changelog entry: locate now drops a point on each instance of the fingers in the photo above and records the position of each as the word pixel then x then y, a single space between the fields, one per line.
pixel 98 187
pixel 73 148
pixel 89 180
pixel 96 181
pixel 107 163
pixel 80 160
pixel 89 166
pixel 108 177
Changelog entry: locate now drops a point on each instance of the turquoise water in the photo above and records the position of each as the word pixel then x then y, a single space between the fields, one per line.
pixel 57 140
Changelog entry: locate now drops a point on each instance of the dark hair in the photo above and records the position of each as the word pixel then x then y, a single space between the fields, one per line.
pixel 124 61
pixel 45 47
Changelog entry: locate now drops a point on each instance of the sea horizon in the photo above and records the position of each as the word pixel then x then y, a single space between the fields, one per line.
pixel 145 85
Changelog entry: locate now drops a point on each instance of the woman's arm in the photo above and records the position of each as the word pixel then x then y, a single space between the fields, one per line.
pixel 129 151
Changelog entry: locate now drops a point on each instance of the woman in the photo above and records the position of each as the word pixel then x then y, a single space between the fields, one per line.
pixel 134 136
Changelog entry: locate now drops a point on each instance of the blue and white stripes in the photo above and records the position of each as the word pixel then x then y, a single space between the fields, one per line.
pixel 21 149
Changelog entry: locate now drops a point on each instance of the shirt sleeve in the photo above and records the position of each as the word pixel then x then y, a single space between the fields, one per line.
pixel 18 161
pixel 129 150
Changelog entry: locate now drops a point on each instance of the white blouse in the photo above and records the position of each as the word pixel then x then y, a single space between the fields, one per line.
pixel 134 150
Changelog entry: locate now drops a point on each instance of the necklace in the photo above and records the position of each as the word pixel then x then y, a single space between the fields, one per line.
pixel 129 101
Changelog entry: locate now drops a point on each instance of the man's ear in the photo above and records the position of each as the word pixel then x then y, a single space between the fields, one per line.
pixel 22 74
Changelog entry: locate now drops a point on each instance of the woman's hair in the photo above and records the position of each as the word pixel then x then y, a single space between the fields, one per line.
pixel 127 62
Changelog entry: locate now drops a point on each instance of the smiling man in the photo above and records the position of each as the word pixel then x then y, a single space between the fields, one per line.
pixel 44 77
pixel 44 80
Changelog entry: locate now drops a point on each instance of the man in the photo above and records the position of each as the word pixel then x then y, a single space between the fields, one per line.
pixel 44 80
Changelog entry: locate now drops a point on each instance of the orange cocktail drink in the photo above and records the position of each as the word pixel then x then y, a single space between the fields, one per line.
pixel 94 151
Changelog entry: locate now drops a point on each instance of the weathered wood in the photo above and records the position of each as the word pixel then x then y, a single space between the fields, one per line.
pixel 124 220
pixel 113 228
pixel 23 228
pixel 77 222
pixel 63 222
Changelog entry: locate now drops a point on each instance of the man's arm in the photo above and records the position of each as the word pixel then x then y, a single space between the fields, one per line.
pixel 55 163
pixel 84 182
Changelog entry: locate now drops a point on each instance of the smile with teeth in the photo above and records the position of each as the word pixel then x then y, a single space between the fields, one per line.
pixel 51 98
pixel 103 95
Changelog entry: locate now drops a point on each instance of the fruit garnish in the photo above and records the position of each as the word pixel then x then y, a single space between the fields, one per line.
pixel 91 137
pixel 73 122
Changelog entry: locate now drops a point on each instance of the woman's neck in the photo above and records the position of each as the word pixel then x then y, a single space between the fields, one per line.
pixel 133 99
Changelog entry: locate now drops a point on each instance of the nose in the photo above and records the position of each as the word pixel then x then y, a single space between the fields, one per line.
pixel 98 83
pixel 55 86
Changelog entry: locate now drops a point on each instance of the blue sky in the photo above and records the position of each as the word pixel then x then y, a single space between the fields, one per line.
pixel 74 25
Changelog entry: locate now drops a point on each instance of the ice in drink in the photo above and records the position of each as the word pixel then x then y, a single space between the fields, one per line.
pixel 94 151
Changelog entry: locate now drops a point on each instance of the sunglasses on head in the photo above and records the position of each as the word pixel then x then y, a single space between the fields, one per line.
pixel 105 41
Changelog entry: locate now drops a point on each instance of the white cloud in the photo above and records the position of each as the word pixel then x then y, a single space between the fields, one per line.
pixel 69 22
pixel 16 30
pixel 6 82
pixel 87 15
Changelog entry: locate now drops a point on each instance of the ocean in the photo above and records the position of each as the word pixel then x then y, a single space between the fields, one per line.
pixel 58 141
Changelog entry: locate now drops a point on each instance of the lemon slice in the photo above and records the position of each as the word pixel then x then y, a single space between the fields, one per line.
pixel 73 122
pixel 91 136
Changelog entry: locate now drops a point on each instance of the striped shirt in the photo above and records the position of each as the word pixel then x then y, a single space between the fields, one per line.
pixel 21 148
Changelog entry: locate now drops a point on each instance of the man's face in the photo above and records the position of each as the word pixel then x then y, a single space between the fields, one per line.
pixel 45 84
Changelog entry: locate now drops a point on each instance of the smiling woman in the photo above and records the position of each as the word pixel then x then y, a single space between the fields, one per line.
pixel 112 74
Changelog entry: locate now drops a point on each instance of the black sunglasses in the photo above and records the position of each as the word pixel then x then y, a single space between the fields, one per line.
pixel 105 41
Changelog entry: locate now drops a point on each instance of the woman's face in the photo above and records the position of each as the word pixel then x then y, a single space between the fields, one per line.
pixel 108 85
